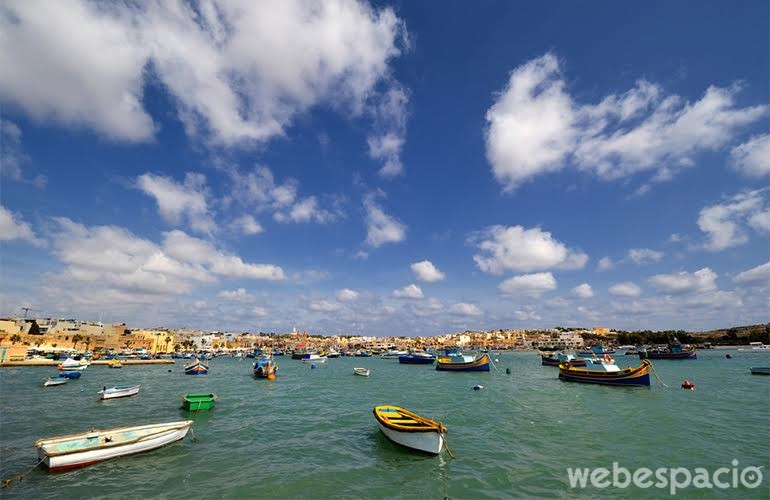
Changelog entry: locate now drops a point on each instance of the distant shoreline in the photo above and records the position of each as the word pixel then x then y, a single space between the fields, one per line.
pixel 52 362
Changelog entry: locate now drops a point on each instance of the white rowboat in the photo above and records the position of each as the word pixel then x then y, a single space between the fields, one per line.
pixel 364 372
pixel 71 365
pixel 314 358
pixel 120 391
pixel 79 450
pixel 55 381
pixel 409 429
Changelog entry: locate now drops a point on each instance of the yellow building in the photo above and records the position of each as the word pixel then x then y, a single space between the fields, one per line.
pixel 161 341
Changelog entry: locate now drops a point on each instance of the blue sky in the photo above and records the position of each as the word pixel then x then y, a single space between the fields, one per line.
pixel 407 168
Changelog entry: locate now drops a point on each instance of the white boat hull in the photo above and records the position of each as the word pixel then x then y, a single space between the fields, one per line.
pixel 131 391
pixel 363 372
pixel 81 459
pixel 429 442
pixel 315 360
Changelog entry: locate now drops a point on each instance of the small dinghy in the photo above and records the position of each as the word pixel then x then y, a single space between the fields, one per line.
pixel 86 448
pixel 410 430
pixel 364 372
pixel 120 391
pixel 195 402
pixel 114 363
pixel 55 381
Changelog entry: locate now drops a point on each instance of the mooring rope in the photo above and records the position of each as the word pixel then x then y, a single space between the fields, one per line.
pixel 194 438
pixel 657 377
pixel 20 477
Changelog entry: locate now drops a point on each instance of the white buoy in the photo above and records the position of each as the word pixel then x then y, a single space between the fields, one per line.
pixel 478 387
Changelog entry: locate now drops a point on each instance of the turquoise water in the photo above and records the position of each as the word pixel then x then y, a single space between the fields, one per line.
pixel 311 433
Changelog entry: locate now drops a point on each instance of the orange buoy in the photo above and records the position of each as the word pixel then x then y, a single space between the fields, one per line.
pixel 688 385
pixel 271 377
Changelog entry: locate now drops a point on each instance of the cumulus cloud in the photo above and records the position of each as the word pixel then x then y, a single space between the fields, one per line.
pixel 756 276
pixel 239 295
pixel 178 202
pixel 381 228
pixel 535 126
pixel 465 309
pixel 625 289
pixel 583 291
pixel 12 227
pixel 605 264
pixel 753 157
pixel 12 156
pixel 247 224
pixel 347 295
pixel 724 223
pixel 408 292
pixel 528 285
pixel 238 71
pixel 323 306
pixel 515 248
pixel 306 210
pixel 388 139
pixel 644 255
pixel 702 280
pixel 426 271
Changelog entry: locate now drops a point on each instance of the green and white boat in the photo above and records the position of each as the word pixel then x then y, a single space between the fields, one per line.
pixel 195 402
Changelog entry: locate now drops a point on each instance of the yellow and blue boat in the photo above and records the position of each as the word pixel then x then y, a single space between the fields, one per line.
pixel 410 430
pixel 453 360
pixel 606 372
pixel 197 367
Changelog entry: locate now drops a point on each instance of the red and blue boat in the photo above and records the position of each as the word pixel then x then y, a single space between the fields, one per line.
pixel 197 367
pixel 673 351
pixel 606 372
pixel 453 360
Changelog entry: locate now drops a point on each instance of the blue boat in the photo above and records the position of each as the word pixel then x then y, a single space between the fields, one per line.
pixel 70 374
pixel 363 354
pixel 265 367
pixel 675 350
pixel 417 358
pixel 596 351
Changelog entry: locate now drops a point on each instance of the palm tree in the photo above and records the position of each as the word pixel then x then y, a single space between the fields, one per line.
pixel 168 341
pixel 15 338
pixel 75 339
pixel 127 344
pixel 177 347
pixel 88 342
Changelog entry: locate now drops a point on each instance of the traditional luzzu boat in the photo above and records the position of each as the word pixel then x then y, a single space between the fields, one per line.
pixel 55 381
pixel 453 360
pixel 195 402
pixel 605 371
pixel 71 365
pixel 559 358
pixel 760 370
pixel 313 358
pixel 594 351
pixel 86 448
pixel 409 429
pixel 417 358
pixel 120 391
pixel 264 367
pixel 114 363
pixel 674 350
pixel 197 367
pixel 363 372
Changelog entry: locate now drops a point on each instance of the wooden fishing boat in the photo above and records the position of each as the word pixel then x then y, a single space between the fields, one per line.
pixel 71 365
pixel 55 381
pixel 70 374
pixel 557 359
pixel 197 367
pixel 364 372
pixel 760 370
pixel 114 363
pixel 195 402
pixel 417 358
pixel 313 358
pixel 409 429
pixel 675 350
pixel 265 366
pixel 607 373
pixel 120 391
pixel 455 361
pixel 86 448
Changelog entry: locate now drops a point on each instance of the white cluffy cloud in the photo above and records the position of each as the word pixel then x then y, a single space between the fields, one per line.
pixel 528 285
pixel 381 228
pixel 756 276
pixel 725 223
pixel 180 201
pixel 583 291
pixel 239 295
pixel 408 292
pixel 323 306
pixel 347 295
pixel 703 280
pixel 605 264
pixel 390 131
pixel 644 255
pixel 238 71
pixel 12 227
pixel 426 271
pixel 465 309
pixel 625 289
pixel 535 126
pixel 753 157
pixel 247 224
pixel 12 156
pixel 515 248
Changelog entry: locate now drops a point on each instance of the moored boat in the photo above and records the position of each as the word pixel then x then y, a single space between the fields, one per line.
pixel 606 372
pixel 70 365
pixel 114 363
pixel 313 358
pixel 120 391
pixel 675 350
pixel 55 381
pixel 197 367
pixel 594 351
pixel 760 370
pixel 70 374
pixel 264 367
pixel 756 347
pixel 409 429
pixel 393 354
pixel 559 358
pixel 86 448
pixel 364 372
pixel 195 402
pixel 455 361
pixel 417 358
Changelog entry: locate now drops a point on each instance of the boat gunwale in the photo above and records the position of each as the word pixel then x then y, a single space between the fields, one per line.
pixel 625 373
pixel 171 426
pixel 429 425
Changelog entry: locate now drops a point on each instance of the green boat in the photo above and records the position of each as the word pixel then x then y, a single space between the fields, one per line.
pixel 195 402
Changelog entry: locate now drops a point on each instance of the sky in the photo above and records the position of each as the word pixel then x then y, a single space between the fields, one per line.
pixel 387 168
